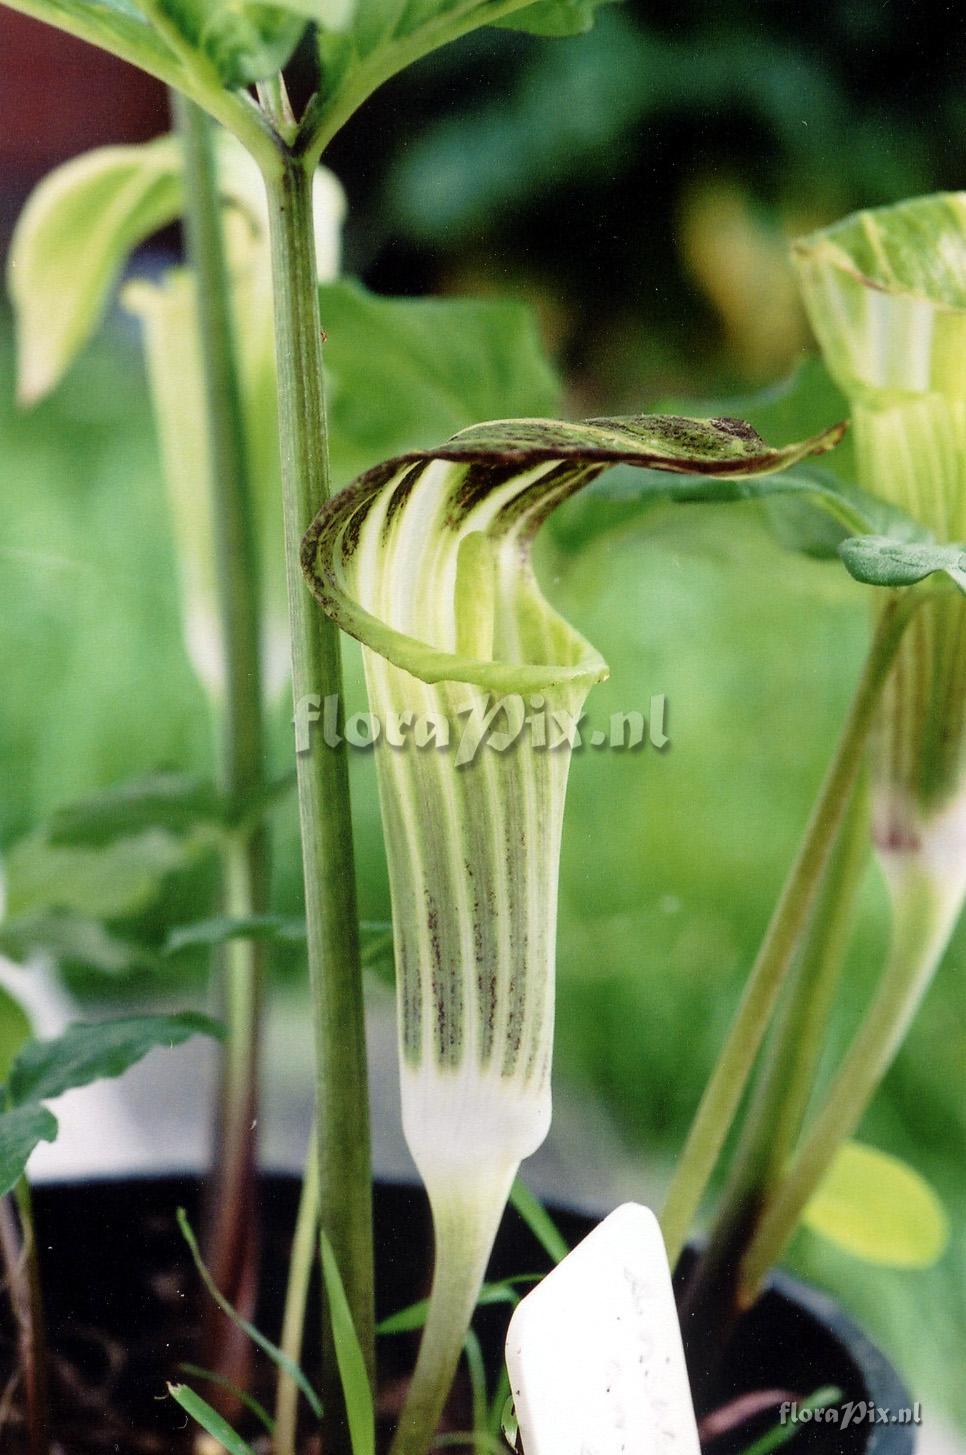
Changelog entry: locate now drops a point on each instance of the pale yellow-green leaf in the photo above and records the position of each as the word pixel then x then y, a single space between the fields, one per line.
pixel 877 1208
pixel 15 1029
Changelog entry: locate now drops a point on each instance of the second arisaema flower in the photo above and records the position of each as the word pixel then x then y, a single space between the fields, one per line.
pixel 426 560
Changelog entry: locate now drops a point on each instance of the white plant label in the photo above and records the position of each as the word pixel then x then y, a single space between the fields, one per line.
pixel 594 1353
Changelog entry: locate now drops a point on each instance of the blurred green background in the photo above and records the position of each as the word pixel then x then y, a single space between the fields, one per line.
pixel 637 187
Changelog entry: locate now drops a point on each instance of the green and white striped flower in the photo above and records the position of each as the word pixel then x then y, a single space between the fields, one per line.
pixel 426 560
pixel 886 294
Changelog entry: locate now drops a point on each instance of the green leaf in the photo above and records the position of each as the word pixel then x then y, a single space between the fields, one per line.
pixel 249 1401
pixel 171 801
pixel 437 365
pixel 539 1221
pixel 97 883
pixel 70 243
pixel 879 1209
pixel 414 1315
pixel 478 475
pixel 85 1053
pixel 20 1131
pixel 244 42
pixel 277 1356
pixel 77 230
pixel 881 561
pixel 348 1354
pixel 72 939
pixel 554 17
pixel 222 928
pixel 15 1028
pixel 209 1419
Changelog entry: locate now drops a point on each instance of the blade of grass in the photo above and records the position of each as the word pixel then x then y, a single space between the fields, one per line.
pixel 349 1357
pixel 539 1221
pixel 413 1316
pixel 258 1410
pixel 272 1350
pixel 209 1420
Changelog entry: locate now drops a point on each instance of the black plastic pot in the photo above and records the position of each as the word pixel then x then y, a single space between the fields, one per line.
pixel 124 1312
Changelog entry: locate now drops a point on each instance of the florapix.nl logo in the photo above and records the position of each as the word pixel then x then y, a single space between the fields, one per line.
pixel 495 724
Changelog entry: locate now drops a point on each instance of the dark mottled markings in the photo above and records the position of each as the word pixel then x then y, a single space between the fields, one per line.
pixel 447 992
pixel 412 1000
pixel 480 479
pixel 400 495
pixel 541 497
pixel 354 523
pixel 701 437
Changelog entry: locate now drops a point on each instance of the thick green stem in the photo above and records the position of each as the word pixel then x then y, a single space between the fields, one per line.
pixel 926 905
pixel 730 1075
pixel 465 1227
pixel 300 1264
pixel 233 1248
pixel 323 783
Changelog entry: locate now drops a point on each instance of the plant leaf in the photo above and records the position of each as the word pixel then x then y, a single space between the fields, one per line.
pixel 248 1400
pixel 244 41
pixel 554 17
pixel 348 1353
pixel 15 1028
pixel 113 198
pixel 877 1208
pixel 105 882
pixel 222 928
pixel 476 477
pixel 72 939
pixel 277 1356
pixel 85 1053
pixel 882 561
pixel 437 364
pixel 172 801
pixel 209 1419
pixel 21 1129
pixel 414 1315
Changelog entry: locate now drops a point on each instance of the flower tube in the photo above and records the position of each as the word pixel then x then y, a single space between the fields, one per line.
pixel 475 681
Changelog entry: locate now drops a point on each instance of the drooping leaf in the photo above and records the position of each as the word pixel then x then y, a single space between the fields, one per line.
pixel 103 882
pixel 84 1053
pixel 14 1030
pixel 72 939
pixel 877 1208
pixel 436 364
pixel 210 1420
pixel 277 1355
pixel 69 245
pixel 882 561
pixel 360 1411
pixel 77 229
pixel 21 1129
